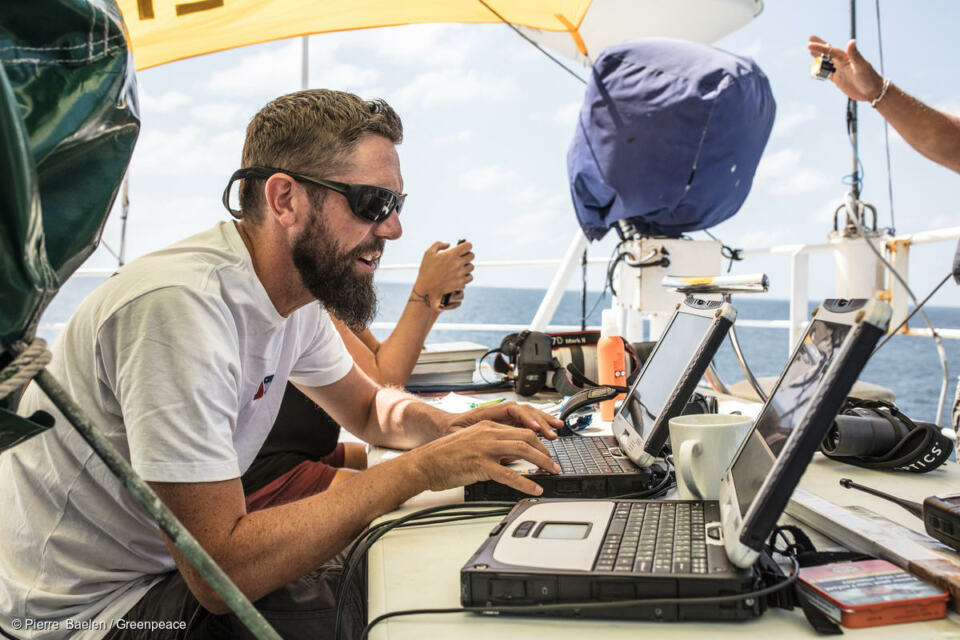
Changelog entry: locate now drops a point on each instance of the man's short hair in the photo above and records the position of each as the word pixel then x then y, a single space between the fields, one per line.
pixel 310 132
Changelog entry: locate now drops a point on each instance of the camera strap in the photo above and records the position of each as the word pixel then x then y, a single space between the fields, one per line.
pixel 923 448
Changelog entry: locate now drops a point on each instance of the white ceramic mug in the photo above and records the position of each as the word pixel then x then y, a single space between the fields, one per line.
pixel 703 446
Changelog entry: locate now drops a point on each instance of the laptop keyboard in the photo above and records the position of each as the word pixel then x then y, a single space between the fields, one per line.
pixel 655 538
pixel 587 455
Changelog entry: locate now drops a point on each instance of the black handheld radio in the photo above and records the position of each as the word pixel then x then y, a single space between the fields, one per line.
pixel 445 300
pixel 940 515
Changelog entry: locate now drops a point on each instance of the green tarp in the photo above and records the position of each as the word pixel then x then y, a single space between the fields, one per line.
pixel 68 123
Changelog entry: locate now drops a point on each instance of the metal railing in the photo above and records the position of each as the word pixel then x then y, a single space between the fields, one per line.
pixel 898 247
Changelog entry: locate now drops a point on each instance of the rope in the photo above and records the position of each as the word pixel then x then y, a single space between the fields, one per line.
pixel 24 367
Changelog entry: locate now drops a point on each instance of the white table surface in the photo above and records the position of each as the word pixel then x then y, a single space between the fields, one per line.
pixel 419 567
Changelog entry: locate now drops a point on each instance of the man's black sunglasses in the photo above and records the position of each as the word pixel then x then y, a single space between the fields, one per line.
pixel 370 203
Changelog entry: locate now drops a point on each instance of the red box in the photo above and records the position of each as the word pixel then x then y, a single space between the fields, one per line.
pixel 870 593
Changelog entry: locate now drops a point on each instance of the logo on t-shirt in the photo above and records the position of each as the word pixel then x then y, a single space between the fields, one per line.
pixel 263 387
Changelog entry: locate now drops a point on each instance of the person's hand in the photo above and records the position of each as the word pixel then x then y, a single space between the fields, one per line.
pixel 475 454
pixel 444 270
pixel 854 75
pixel 518 415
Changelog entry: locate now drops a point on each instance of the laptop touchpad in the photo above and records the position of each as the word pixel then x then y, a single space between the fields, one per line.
pixel 560 535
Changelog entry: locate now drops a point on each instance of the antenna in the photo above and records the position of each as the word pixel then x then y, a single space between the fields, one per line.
pixel 913 507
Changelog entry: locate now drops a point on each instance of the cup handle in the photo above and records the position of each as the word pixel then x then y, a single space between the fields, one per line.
pixel 689 449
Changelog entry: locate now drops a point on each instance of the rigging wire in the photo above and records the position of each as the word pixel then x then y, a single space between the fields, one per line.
pixel 853 203
pixel 914 312
pixel 528 39
pixel 886 132
pixel 918 308
pixel 111 251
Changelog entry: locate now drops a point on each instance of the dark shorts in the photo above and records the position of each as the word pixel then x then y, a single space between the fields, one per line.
pixel 302 609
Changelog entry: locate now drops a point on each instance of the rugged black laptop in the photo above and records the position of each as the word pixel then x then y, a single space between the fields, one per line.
pixel 556 551
pixel 607 466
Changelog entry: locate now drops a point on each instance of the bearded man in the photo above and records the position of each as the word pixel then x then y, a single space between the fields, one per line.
pixel 181 358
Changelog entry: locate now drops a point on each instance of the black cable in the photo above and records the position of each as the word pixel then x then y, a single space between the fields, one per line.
pixel 458 518
pixel 466 515
pixel 886 131
pixel 728 252
pixel 611 268
pixel 624 256
pixel 385 526
pixel 364 543
pixel 348 560
pixel 576 607
pixel 493 352
pixel 525 37
pixel 369 537
pixel 914 312
pixel 409 612
pixel 655 492
pixel 606 284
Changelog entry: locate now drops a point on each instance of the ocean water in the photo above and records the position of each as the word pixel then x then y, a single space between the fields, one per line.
pixel 907 365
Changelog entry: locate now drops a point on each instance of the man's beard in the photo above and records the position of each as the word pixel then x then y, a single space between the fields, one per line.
pixel 331 277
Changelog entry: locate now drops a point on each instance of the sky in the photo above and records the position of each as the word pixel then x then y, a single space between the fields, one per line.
pixel 488 120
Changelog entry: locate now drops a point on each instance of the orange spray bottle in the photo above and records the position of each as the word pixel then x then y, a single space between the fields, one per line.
pixel 611 361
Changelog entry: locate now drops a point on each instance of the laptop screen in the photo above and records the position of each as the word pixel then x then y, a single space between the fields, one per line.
pixel 784 409
pixel 662 372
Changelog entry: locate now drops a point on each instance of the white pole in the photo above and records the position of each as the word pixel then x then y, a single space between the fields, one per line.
pixel 799 315
pixel 305 64
pixel 551 299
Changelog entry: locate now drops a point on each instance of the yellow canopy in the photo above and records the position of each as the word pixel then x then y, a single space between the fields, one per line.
pixel 167 30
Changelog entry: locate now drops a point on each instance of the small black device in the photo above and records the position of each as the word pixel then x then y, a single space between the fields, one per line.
pixel 822 67
pixel 587 397
pixel 940 515
pixel 445 300
pixel 573 408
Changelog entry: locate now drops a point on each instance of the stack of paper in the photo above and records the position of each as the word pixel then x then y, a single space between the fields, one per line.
pixel 446 363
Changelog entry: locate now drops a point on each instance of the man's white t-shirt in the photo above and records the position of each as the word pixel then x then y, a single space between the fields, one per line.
pixel 180 359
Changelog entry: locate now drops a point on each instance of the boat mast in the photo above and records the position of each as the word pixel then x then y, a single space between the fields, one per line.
pixel 852 122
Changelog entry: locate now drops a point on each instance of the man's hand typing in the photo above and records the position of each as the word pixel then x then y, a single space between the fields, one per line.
pixel 510 413
pixel 474 454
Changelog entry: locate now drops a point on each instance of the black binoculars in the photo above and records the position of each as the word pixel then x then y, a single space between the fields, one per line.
pixel 863 432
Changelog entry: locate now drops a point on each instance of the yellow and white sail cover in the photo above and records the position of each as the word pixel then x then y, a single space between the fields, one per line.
pixel 167 30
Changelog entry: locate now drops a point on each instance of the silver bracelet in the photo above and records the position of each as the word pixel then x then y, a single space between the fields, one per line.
pixel 883 92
